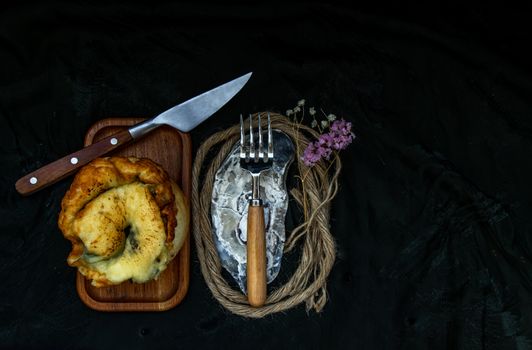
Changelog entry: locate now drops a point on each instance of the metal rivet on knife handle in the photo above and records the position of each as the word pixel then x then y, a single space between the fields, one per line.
pixel 65 166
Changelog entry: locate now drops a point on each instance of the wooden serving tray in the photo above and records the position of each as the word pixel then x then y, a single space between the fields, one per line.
pixel 173 151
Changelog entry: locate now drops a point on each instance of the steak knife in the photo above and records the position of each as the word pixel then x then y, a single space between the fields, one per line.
pixel 184 117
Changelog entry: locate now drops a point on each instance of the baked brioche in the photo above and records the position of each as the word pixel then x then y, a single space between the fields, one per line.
pixel 126 220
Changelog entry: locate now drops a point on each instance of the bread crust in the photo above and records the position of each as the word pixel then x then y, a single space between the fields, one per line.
pixel 110 195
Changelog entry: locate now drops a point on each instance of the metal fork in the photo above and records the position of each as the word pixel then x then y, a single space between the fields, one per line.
pixel 256 160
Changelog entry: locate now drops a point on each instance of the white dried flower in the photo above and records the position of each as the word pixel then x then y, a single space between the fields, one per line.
pixel 314 123
pixel 331 117
pixel 301 103
pixel 289 112
pixel 324 123
pixel 311 111
pixel 297 109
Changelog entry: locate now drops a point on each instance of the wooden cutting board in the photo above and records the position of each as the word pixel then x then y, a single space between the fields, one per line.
pixel 173 151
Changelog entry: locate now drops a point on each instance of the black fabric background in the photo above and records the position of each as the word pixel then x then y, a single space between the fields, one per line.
pixel 432 221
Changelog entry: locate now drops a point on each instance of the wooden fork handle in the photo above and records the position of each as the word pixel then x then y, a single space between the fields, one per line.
pixel 256 256
pixel 61 168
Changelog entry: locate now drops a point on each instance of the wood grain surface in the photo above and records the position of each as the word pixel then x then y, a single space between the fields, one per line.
pixel 256 256
pixel 63 167
pixel 172 150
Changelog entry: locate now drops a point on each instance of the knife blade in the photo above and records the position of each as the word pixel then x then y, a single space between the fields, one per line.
pixel 183 117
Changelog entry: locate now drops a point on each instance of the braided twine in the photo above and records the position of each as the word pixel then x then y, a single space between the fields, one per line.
pixel 317 187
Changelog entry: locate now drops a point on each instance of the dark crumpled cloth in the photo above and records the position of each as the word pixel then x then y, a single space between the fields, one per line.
pixel 433 218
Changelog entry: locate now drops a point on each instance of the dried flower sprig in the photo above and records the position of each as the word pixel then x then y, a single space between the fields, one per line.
pixel 338 138
pixel 300 107
pixel 335 136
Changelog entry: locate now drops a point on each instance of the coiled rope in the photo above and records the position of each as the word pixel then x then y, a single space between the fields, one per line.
pixel 317 187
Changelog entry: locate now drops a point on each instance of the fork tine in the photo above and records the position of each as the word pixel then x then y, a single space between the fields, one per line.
pixel 242 139
pixel 251 142
pixel 270 139
pixel 261 149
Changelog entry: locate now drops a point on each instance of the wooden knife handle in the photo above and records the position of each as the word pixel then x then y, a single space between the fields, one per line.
pixel 256 256
pixel 65 166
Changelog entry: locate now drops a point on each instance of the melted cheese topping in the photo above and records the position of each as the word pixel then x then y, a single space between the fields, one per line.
pixel 101 227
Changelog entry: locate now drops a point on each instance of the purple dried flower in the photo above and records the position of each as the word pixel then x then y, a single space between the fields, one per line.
pixel 311 155
pixel 341 141
pixel 341 134
pixel 338 138
pixel 326 140
pixel 323 151
pixel 341 127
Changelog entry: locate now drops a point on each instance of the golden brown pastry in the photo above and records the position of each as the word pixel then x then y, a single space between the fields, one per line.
pixel 125 218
